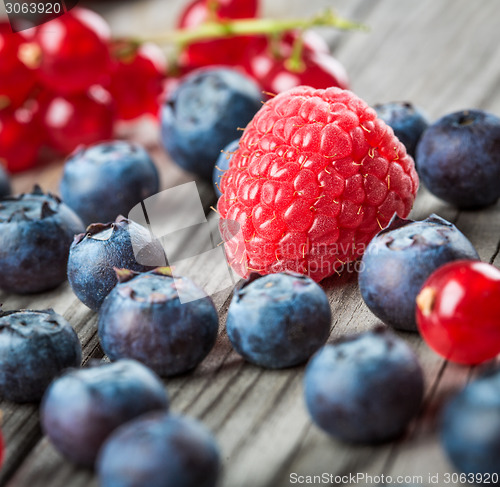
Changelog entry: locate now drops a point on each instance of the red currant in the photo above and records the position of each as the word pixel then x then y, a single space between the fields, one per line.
pixel 274 66
pixel 20 138
pixel 137 80
pixel 74 51
pixel 458 311
pixel 16 78
pixel 219 51
pixel 81 119
pixel 198 11
pixel 234 9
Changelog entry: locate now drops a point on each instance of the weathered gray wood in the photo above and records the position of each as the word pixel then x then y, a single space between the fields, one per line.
pixel 20 425
pixel 443 56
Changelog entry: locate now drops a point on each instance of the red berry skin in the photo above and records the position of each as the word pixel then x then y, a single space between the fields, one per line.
pixel 319 70
pixel 198 11
pixel 276 73
pixel 221 51
pixel 74 51
pixel 458 311
pixel 137 82
pixel 236 9
pixel 262 55
pixel 17 80
pixel 80 119
pixel 315 177
pixel 20 139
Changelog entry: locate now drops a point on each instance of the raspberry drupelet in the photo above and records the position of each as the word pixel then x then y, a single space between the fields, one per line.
pixel 316 176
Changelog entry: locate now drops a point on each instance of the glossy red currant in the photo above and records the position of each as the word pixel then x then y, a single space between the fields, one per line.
pixel 17 79
pixel 137 80
pixel 458 311
pixel 74 51
pixel 219 51
pixel 20 138
pixel 277 69
pixel 80 119
pixel 199 11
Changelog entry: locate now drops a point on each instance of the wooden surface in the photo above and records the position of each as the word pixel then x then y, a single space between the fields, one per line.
pixel 443 55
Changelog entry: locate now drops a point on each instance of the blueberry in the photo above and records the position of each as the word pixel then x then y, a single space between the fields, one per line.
pixel 94 254
pixel 278 320
pixel 364 388
pixel 35 346
pixel 168 324
pixel 5 188
pixel 222 164
pixel 81 408
pixel 470 427
pixel 203 115
pixel 398 261
pixel 105 180
pixel 407 121
pixel 159 450
pixel 36 231
pixel 458 158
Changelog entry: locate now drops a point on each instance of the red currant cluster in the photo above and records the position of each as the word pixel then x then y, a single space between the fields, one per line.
pixel 276 62
pixel 66 82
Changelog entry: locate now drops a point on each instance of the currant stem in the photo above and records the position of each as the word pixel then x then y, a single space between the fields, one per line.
pixel 212 7
pixel 295 62
pixel 4 103
pixel 214 30
pixel 426 299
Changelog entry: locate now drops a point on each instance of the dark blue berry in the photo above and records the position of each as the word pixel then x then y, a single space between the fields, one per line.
pixel 203 115
pixel 168 324
pixel 36 231
pixel 470 429
pixel 105 180
pixel 364 388
pixel 458 158
pixel 407 121
pixel 5 188
pixel 81 408
pixel 278 320
pixel 222 164
pixel 35 346
pixel 94 255
pixel 398 261
pixel 159 450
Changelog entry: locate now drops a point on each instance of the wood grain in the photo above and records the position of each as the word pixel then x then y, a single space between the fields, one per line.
pixel 443 56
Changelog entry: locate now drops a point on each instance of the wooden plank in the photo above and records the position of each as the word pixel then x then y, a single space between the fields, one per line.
pixel 440 55
pixel 422 448
pixel 443 56
pixel 306 450
pixel 312 455
pixel 439 92
pixel 20 424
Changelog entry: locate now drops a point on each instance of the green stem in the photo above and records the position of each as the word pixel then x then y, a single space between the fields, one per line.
pixel 4 103
pixel 274 45
pixel 295 62
pixel 212 7
pixel 214 30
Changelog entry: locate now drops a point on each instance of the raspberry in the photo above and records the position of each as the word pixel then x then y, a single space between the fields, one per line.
pixel 316 176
